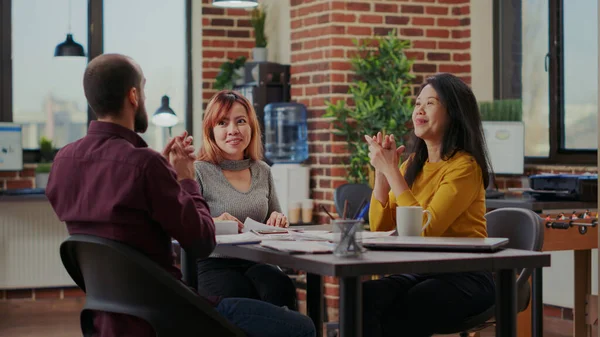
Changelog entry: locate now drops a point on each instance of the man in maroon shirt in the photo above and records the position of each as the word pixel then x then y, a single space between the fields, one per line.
pixel 110 184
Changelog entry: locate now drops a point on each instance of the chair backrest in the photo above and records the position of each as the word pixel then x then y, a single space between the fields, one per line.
pixel 523 228
pixel 355 194
pixel 117 278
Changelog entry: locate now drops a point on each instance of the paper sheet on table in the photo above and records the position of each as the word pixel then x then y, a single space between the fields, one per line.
pixel 362 235
pixel 309 235
pixel 238 239
pixel 250 224
pixel 299 246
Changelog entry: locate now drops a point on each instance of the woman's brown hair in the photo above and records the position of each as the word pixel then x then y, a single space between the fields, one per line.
pixel 219 106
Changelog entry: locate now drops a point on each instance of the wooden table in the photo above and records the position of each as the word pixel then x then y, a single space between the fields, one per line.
pixel 350 270
pixel 580 239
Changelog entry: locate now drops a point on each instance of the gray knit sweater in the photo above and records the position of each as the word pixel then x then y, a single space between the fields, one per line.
pixel 258 203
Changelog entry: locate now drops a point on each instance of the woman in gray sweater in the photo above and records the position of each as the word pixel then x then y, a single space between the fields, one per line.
pixel 236 184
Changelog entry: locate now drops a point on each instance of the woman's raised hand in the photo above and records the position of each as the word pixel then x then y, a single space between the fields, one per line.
pixel 383 153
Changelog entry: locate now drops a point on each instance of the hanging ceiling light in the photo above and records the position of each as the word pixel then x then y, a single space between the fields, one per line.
pixel 235 3
pixel 69 47
pixel 165 116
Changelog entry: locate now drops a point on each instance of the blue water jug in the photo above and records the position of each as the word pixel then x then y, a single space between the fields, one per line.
pixel 286 139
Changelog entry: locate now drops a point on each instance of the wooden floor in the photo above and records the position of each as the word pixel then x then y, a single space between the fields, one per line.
pixel 60 318
pixel 48 318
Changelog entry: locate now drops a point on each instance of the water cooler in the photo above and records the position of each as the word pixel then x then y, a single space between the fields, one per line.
pixel 286 146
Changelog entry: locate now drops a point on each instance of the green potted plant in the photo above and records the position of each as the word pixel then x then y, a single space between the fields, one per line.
pixel 507 110
pixel 232 73
pixel 257 19
pixel 42 169
pixel 382 100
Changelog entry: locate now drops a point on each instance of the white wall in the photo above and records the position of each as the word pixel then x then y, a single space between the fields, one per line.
pixel 482 49
pixel 278 30
pixel 558 278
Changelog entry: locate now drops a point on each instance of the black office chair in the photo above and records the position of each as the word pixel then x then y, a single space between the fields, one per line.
pixel 117 278
pixel 355 194
pixel 524 230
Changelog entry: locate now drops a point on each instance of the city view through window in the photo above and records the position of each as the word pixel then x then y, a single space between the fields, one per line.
pixel 48 98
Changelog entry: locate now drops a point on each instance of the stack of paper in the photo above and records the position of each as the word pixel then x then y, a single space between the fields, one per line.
pixel 309 235
pixel 311 247
pixel 237 239
pixel 250 224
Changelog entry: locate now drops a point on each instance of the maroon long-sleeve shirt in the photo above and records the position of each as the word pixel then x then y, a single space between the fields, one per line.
pixel 110 184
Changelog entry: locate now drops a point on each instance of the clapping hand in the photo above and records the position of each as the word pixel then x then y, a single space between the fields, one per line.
pixel 186 142
pixel 383 153
pixel 180 153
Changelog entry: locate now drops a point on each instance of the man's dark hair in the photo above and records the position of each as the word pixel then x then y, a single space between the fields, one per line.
pixel 107 80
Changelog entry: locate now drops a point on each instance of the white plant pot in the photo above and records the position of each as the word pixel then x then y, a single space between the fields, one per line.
pixel 41 180
pixel 506 146
pixel 259 54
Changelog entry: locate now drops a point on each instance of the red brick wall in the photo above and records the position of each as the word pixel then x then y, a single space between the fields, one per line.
pixel 226 33
pixel 321 38
pixel 20 179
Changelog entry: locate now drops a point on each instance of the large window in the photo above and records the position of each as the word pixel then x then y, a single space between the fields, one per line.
pixel 546 58
pixel 45 93
pixel 156 40
pixel 580 48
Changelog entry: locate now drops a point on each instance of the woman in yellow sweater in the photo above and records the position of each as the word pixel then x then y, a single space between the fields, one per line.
pixel 446 174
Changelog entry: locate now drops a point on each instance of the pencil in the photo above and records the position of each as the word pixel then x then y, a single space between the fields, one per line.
pixel 362 204
pixel 345 209
pixel 325 209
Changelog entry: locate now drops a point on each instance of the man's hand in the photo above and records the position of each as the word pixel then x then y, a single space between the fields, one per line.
pixel 186 142
pixel 181 161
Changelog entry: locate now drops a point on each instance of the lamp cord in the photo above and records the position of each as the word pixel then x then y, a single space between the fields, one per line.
pixel 70 17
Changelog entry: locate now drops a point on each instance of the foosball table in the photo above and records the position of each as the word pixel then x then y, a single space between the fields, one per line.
pixel 569 225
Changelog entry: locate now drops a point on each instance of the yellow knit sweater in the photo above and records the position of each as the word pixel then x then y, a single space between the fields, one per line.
pixel 451 190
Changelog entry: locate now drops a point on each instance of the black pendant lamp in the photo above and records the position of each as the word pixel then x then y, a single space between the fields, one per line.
pixel 69 47
pixel 235 3
pixel 165 116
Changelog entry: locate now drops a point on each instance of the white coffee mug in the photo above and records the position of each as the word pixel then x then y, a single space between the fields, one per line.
pixel 409 220
pixel 223 227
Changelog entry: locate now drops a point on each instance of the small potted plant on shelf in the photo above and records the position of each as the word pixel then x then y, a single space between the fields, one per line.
pixel 42 170
pixel 232 73
pixel 258 18
pixel 504 129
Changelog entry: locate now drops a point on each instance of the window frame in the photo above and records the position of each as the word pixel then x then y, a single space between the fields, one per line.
pixel 557 154
pixel 95 47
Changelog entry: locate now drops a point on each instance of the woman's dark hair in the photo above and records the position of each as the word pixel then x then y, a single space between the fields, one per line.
pixel 464 131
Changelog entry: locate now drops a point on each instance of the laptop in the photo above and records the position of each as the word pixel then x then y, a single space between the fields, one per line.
pixel 449 244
